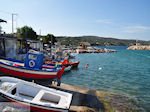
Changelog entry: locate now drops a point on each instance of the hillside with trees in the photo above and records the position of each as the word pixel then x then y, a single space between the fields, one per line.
pixel 28 33
pixel 98 41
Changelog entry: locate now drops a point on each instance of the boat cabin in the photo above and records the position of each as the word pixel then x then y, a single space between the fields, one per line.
pixel 34 60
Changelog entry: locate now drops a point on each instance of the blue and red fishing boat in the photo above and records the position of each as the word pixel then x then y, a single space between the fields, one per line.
pixel 31 68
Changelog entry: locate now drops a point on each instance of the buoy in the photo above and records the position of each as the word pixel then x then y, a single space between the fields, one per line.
pixel 86 66
pixel 99 68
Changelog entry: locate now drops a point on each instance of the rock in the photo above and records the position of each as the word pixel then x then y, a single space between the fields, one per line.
pixel 139 47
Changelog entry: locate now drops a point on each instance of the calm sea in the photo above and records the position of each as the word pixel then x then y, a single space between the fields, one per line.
pixel 125 72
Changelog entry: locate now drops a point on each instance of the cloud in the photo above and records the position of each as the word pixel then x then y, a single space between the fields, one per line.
pixel 136 29
pixel 105 21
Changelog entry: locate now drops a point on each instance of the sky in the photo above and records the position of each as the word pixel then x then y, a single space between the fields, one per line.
pixel 123 19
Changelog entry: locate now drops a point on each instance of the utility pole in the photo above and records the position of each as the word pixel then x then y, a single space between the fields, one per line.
pixel 40 32
pixel 51 44
pixel 13 22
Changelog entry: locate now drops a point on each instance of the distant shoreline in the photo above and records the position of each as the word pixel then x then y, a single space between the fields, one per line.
pixel 98 41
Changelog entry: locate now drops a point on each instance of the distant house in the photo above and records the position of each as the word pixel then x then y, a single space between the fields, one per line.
pixel 35 44
pixel 82 48
pixel 85 44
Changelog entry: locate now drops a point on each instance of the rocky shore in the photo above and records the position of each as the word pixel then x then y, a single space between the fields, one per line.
pixel 141 47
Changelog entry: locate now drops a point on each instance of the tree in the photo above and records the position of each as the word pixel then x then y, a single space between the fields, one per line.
pixel 26 32
pixel 49 38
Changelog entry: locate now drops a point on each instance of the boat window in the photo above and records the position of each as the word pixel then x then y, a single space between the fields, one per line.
pixel 13 91
pixel 50 98
pixel 33 57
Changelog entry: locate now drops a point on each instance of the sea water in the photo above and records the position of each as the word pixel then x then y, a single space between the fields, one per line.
pixel 125 72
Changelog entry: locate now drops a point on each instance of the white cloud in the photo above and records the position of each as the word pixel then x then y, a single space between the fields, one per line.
pixel 105 21
pixel 136 29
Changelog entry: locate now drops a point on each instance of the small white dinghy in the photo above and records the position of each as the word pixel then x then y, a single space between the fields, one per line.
pixel 39 98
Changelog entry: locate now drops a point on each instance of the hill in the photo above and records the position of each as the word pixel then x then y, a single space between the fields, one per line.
pixel 98 41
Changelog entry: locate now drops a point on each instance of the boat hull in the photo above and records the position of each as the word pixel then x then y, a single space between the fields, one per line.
pixel 33 107
pixel 74 64
pixel 27 73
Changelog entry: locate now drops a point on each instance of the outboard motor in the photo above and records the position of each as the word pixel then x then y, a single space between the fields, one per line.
pixel 34 60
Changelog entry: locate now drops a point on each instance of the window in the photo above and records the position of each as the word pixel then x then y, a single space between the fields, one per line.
pixel 33 57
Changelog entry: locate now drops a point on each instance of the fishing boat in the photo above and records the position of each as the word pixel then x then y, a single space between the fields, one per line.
pixel 31 68
pixel 38 98
pixel 58 66
pixel 67 68
pixel 74 63
pixel 66 61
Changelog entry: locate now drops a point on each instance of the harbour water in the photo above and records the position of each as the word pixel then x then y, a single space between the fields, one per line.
pixel 125 72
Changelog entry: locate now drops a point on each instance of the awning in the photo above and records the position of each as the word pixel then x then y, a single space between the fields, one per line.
pixel 1 20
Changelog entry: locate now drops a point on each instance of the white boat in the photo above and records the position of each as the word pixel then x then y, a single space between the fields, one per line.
pixel 68 68
pixel 37 97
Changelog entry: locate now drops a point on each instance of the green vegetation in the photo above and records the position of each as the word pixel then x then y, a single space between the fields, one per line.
pixel 98 41
pixel 26 33
pixel 48 39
